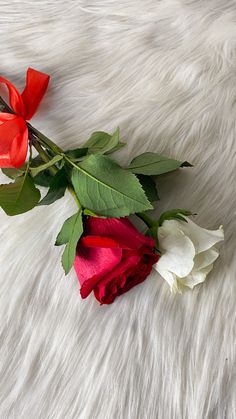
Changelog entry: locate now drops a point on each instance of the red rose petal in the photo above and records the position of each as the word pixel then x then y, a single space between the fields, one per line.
pixel 92 264
pixel 112 257
pixel 115 276
pixel 119 229
pixel 134 272
pixel 98 241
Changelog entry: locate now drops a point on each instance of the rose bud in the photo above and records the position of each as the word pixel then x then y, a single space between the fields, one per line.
pixel 112 257
pixel 188 253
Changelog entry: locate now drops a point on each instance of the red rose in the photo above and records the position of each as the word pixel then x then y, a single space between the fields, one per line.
pixel 112 257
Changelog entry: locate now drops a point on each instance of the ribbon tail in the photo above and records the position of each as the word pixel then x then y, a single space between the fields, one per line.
pixel 36 86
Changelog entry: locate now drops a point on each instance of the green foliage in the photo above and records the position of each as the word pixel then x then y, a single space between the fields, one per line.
pixel 149 187
pixel 101 186
pixel 90 213
pixel 37 160
pixel 36 170
pixel 13 173
pixel 70 234
pixel 19 196
pixel 104 188
pixel 174 214
pixel 153 164
pixel 103 143
pixel 57 188
pixel 77 153
pixel 43 178
pixel 64 235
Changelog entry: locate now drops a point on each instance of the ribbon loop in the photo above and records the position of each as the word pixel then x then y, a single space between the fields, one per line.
pixel 15 98
pixel 36 86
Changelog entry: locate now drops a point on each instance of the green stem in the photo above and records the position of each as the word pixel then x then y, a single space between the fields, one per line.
pixel 72 192
pixel 43 155
pixel 30 154
pixel 146 219
pixel 53 169
pixel 45 141
pixel 152 227
pixel 7 108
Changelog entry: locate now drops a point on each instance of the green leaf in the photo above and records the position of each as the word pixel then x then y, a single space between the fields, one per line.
pixel 153 164
pixel 36 161
pixel 174 214
pixel 101 142
pixel 57 188
pixel 70 233
pixel 44 178
pixel 104 188
pixel 115 143
pixel 20 196
pixel 36 170
pixel 64 235
pixel 120 145
pixel 186 164
pixel 13 173
pixel 149 187
pixel 77 153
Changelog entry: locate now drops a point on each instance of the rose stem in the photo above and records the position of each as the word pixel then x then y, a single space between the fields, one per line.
pixel 32 138
pixel 146 219
pixel 44 156
pixel 152 227
pixel 7 108
pixel 46 142
pixel 53 169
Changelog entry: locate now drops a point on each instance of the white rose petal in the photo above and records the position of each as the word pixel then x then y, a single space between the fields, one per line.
pixel 202 238
pixel 178 253
pixel 203 259
pixel 196 277
pixel 188 253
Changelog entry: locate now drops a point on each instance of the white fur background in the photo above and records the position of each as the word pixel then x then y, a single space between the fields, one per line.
pixel 165 72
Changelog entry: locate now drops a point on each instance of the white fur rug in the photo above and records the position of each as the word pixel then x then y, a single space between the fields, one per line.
pixel 165 72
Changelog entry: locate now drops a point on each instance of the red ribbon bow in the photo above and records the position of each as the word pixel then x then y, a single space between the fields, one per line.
pixel 13 127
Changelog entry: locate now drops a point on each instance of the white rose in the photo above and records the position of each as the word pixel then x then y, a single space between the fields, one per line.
pixel 188 253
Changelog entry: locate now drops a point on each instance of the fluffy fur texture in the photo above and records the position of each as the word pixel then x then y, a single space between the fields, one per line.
pixel 165 72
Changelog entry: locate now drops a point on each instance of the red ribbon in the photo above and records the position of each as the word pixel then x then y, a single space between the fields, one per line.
pixel 13 128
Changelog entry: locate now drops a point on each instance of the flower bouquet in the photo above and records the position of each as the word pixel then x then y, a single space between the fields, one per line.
pixel 108 253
